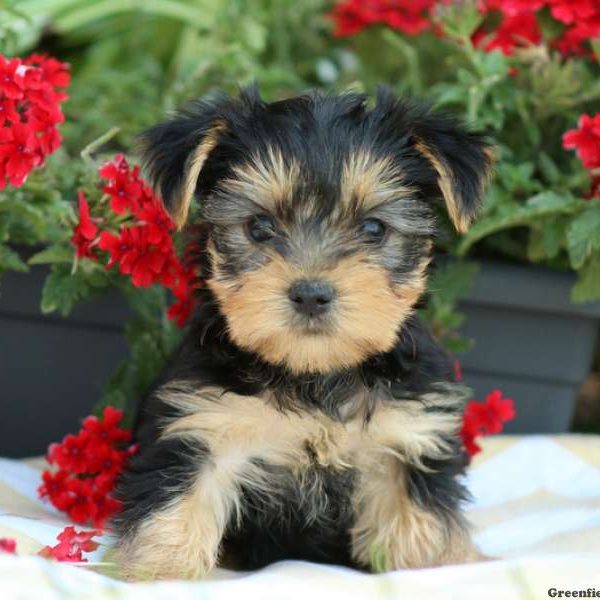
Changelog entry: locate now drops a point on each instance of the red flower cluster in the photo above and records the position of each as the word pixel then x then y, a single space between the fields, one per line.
pixel 582 18
pixel 30 110
pixel 586 141
pixel 515 31
pixel 409 16
pixel 143 246
pixel 520 26
pixel 8 546
pixel 71 545
pixel 86 231
pixel 88 465
pixel 485 418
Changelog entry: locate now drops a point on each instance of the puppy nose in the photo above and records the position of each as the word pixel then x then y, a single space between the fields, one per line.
pixel 311 298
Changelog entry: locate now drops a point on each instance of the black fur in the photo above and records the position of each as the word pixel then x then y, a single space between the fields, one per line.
pixel 275 528
pixel 318 131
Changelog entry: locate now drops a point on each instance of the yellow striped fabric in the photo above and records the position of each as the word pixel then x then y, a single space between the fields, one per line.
pixel 536 507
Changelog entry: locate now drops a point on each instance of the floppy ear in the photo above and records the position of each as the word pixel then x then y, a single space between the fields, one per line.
pixel 174 153
pixel 462 162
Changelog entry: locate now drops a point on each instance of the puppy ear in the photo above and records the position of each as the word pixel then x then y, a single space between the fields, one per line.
pixel 462 162
pixel 175 152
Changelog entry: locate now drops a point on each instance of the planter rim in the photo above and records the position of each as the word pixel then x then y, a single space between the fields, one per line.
pixel 528 287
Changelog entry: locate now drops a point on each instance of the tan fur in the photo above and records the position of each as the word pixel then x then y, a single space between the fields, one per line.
pixel 193 166
pixel 368 314
pixel 229 422
pixel 446 185
pixel 183 539
pixel 368 182
pixel 392 532
pixel 268 181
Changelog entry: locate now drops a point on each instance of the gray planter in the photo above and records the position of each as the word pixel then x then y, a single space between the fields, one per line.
pixel 52 369
pixel 530 341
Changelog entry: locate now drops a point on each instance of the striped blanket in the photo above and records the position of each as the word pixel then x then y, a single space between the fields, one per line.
pixel 536 507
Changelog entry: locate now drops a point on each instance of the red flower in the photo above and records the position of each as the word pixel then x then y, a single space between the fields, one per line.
pixel 106 460
pixel 8 546
pixel 89 464
pixel 107 429
pixel 54 487
pixel 571 11
pixel 586 140
pixel 8 111
pixel 514 32
pixel 182 308
pixel 143 247
pixel 86 231
pixel 512 7
pixel 135 254
pixel 12 78
pixel 29 112
pixel 409 16
pixel 573 40
pixel 81 507
pixel 485 418
pixel 105 504
pixel 54 72
pixel 159 223
pixel 72 454
pixel 19 152
pixel 124 187
pixel 72 544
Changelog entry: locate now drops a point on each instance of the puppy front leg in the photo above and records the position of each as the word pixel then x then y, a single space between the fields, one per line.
pixel 177 503
pixel 394 530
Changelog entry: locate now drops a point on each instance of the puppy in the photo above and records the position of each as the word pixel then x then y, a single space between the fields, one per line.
pixel 308 413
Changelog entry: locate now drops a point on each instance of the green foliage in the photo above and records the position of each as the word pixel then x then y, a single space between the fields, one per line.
pixel 150 344
pixel 134 61
pixel 449 283
pixel 541 206
pixel 10 260
pixel 65 287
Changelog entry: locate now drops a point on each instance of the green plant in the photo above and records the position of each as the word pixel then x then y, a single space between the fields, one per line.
pixel 538 208
pixel 132 61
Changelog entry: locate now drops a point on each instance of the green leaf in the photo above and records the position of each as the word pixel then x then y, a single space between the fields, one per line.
pixel 116 390
pixel 61 291
pixel 588 284
pixel 548 167
pixel 583 235
pixel 64 288
pixel 542 205
pixel 53 254
pixel 448 284
pixel 452 281
pixel 546 240
pixel 378 559
pixel 90 12
pixel 11 261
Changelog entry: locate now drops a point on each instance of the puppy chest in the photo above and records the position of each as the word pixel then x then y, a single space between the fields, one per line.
pixel 241 429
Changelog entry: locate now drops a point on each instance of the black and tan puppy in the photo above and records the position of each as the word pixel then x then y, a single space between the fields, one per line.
pixel 307 413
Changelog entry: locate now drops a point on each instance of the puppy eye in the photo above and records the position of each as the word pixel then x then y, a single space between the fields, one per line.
pixel 372 229
pixel 261 228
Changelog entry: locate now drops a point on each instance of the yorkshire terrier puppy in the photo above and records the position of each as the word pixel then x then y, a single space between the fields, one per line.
pixel 307 414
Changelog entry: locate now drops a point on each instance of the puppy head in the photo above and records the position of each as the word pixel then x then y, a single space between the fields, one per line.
pixel 320 214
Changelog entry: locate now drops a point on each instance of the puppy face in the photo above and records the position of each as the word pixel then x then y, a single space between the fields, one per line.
pixel 320 215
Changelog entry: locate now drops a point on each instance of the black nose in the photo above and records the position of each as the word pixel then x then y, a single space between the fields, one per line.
pixel 311 298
